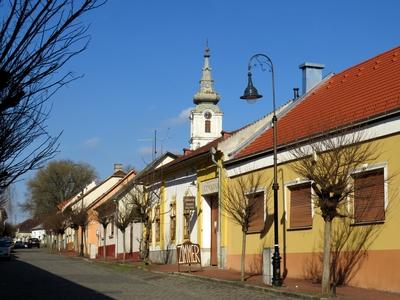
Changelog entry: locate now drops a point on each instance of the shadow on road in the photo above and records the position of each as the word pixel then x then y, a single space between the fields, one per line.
pixel 20 280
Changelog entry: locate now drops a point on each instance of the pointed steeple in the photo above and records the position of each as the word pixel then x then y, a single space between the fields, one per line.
pixel 206 92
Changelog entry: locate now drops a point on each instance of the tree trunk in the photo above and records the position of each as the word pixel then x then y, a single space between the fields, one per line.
pixel 146 243
pixel 105 242
pixel 326 288
pixel 243 257
pixel 123 245
pixel 81 250
pixel 131 238
pixel 76 241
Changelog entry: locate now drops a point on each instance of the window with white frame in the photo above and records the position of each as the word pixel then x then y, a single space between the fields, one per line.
pixel 300 205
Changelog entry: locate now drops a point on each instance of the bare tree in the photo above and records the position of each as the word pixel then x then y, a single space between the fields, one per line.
pixel 105 216
pixel 244 204
pixel 37 39
pixel 124 215
pixel 78 217
pixel 328 164
pixel 143 199
pixel 56 222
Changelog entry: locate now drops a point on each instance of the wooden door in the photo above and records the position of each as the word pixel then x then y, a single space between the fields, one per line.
pixel 214 229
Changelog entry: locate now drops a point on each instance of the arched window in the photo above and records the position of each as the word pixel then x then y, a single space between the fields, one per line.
pixel 207 126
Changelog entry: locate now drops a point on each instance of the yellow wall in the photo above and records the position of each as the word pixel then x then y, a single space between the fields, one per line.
pixel 302 244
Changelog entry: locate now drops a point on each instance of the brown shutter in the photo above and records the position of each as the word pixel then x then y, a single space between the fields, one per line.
pixel 300 206
pixel 256 222
pixel 369 196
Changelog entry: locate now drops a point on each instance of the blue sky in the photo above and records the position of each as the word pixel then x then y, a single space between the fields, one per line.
pixel 144 63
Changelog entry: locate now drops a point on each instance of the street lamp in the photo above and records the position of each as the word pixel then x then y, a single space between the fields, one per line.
pixel 251 94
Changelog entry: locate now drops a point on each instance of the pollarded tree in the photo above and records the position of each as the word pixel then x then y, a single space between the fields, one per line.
pixel 78 217
pixel 37 39
pixel 328 164
pixel 105 214
pixel 56 222
pixel 243 203
pixel 124 215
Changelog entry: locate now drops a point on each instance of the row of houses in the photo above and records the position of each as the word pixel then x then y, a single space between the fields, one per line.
pixel 360 104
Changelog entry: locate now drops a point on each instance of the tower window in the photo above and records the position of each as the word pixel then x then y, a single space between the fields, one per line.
pixel 207 126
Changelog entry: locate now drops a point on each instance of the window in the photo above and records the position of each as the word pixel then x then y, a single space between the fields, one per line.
pixel 256 205
pixel 207 126
pixel 157 223
pixel 300 206
pixel 112 228
pixel 172 222
pixel 185 225
pixel 369 196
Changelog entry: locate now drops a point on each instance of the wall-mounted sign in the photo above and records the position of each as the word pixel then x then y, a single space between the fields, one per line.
pixel 209 186
pixel 188 254
pixel 189 203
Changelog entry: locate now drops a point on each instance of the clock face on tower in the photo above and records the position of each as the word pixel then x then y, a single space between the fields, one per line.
pixel 207 115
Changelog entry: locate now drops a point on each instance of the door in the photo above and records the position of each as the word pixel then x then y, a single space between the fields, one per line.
pixel 214 229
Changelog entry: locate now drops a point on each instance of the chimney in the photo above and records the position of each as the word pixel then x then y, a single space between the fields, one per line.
pixel 295 93
pixel 117 167
pixel 312 75
pixel 186 151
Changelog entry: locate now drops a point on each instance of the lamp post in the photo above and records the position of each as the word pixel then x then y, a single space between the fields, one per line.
pixel 251 94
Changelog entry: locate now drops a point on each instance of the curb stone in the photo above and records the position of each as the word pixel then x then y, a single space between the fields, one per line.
pixel 246 285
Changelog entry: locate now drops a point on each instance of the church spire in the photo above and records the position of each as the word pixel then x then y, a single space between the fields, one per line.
pixel 206 92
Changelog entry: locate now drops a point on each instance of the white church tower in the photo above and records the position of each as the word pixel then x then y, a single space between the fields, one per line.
pixel 206 117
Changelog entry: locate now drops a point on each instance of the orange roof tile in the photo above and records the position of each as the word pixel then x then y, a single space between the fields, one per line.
pixel 361 92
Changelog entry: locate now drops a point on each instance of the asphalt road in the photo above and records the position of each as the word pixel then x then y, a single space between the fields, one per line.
pixel 36 274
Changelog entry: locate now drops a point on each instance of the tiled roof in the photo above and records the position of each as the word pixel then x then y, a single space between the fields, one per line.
pixel 199 151
pixel 114 189
pixel 27 225
pixel 364 91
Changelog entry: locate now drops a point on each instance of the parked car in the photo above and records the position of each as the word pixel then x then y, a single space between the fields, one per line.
pixel 33 242
pixel 20 245
pixel 5 249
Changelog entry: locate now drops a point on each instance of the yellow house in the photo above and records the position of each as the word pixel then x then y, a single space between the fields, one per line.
pixel 363 100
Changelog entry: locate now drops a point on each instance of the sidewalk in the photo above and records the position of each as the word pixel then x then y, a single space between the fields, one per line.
pixel 302 289
pixel 297 287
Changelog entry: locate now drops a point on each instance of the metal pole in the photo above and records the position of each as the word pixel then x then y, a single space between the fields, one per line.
pixel 276 258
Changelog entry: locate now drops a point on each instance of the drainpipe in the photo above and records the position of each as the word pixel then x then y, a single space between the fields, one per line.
pixel 213 152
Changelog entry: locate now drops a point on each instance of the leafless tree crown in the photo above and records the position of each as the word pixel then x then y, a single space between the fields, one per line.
pixel 37 38
pixel 328 164
pixel 237 203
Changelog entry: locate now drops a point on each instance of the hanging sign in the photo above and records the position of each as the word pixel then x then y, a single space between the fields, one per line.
pixel 189 203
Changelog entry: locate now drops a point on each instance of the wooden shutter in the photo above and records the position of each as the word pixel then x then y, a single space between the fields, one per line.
pixel 256 222
pixel 369 196
pixel 300 206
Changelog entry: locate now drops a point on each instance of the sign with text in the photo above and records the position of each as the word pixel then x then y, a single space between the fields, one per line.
pixel 188 254
pixel 189 203
pixel 210 186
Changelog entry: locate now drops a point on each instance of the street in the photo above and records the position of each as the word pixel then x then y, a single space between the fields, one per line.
pixel 36 274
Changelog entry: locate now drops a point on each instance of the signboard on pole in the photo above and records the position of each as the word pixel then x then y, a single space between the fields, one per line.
pixel 189 203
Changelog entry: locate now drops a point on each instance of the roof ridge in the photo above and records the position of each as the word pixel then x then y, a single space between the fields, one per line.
pixel 367 60
pixel 338 101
